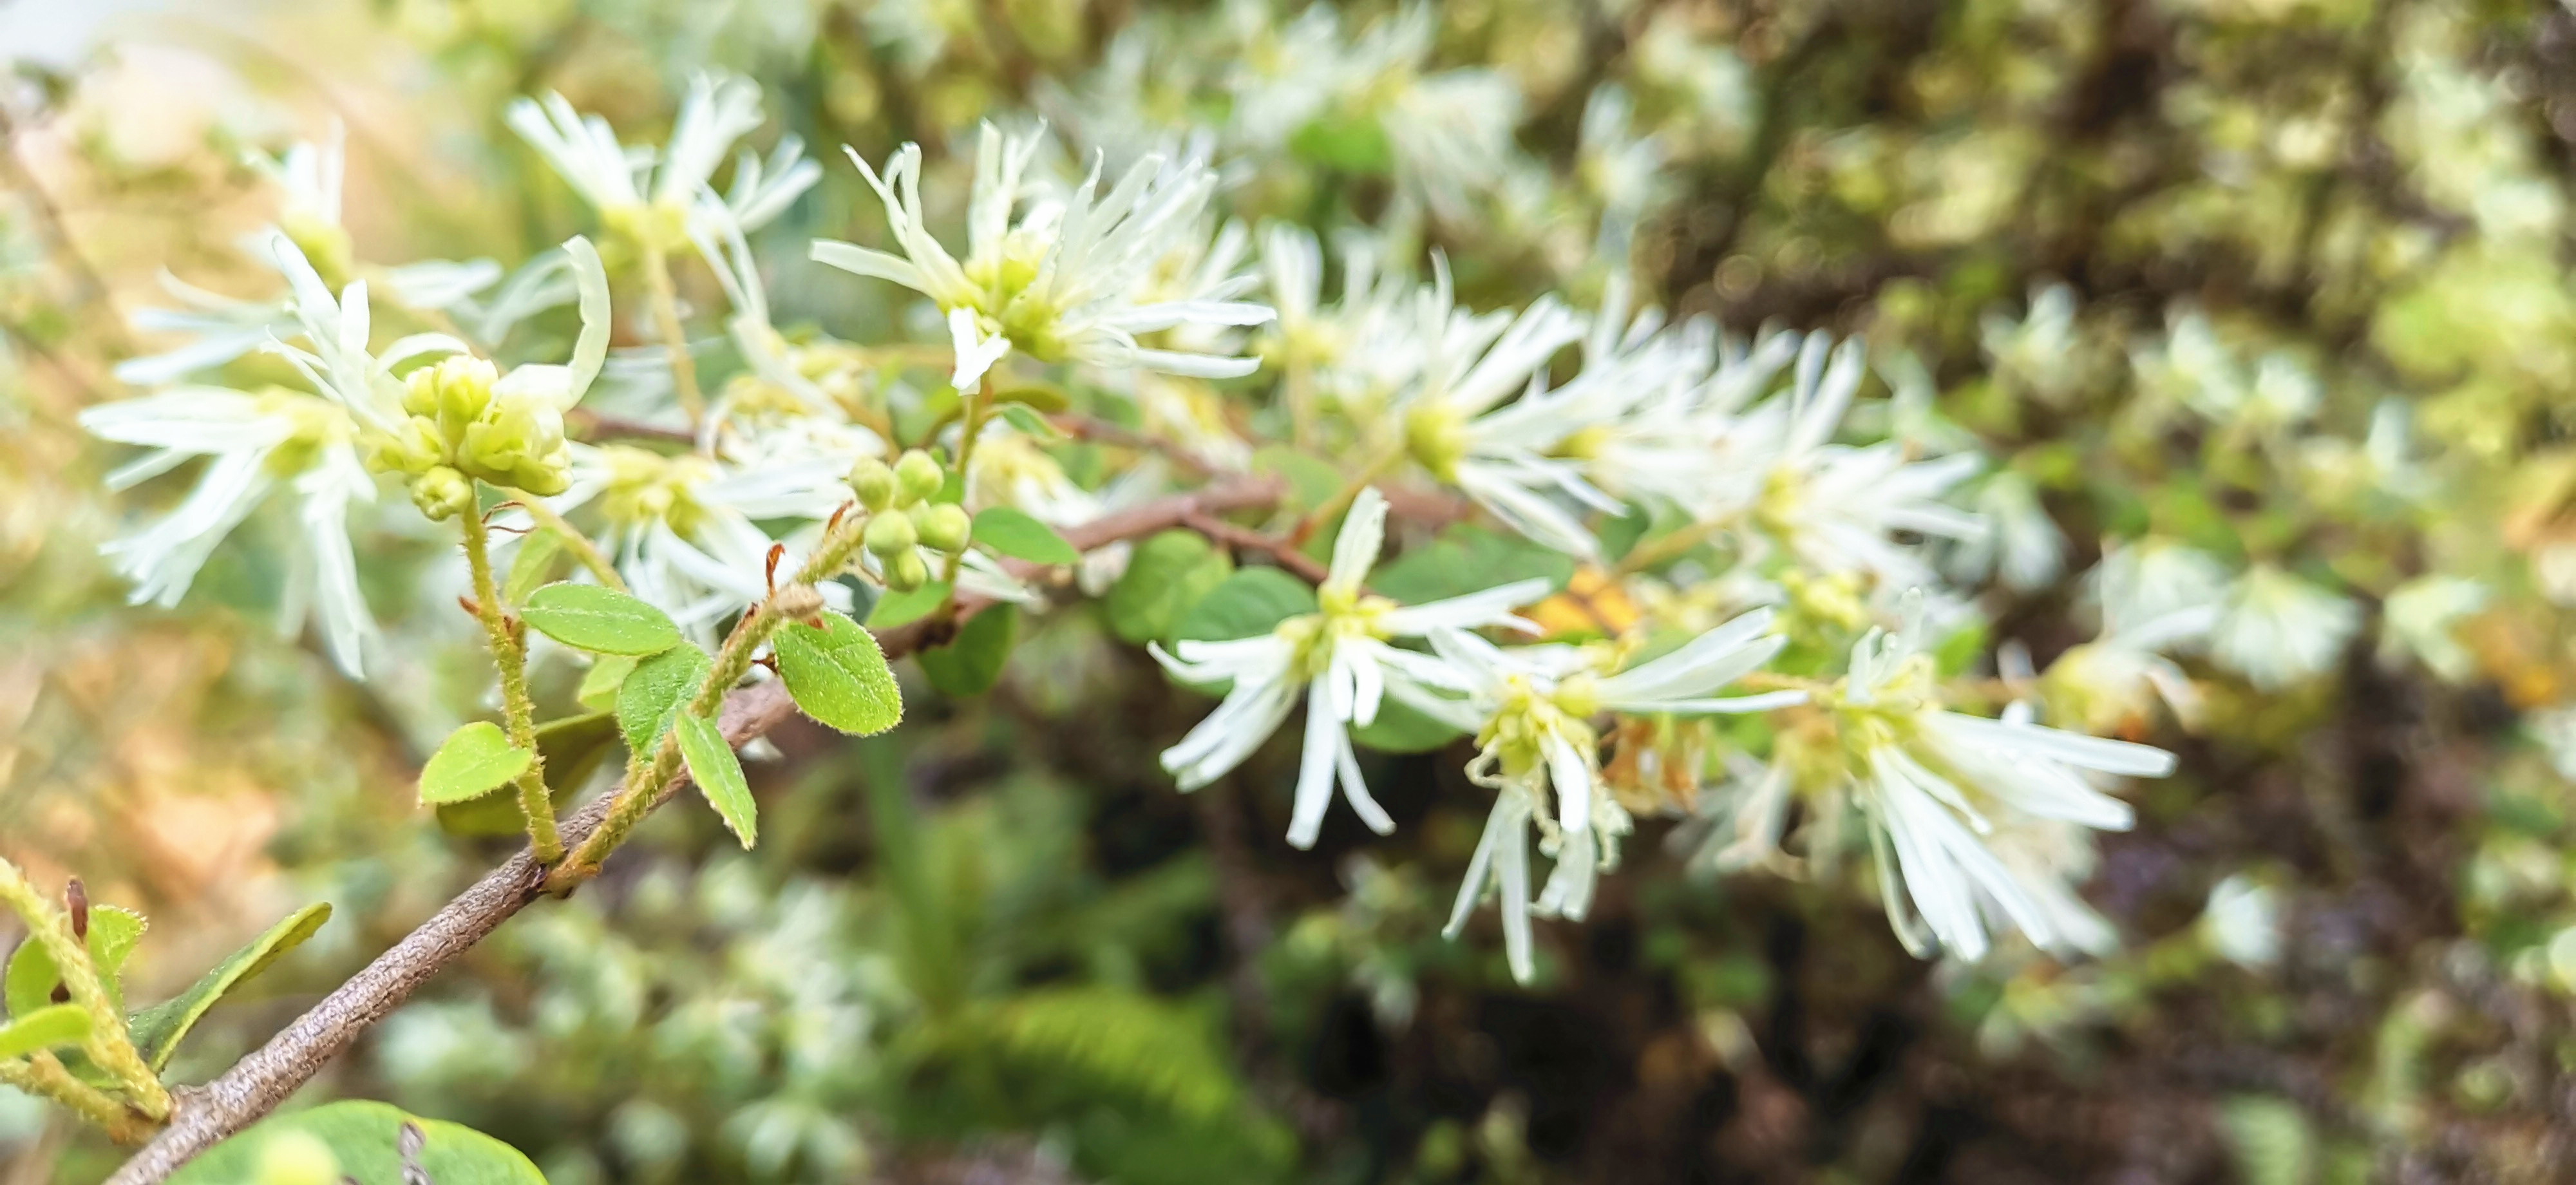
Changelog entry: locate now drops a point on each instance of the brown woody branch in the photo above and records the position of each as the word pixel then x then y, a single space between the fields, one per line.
pixel 255 1085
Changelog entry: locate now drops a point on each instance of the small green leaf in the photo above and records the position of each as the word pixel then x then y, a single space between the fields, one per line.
pixel 157 1031
pixel 571 750
pixel 972 663
pixel 1467 558
pixel 603 620
pixel 598 691
pixel 1167 575
pixel 718 774
pixel 1312 481
pixel 1353 142
pixel 1251 601
pixel 904 608
pixel 365 1140
pixel 1030 423
pixel 474 761
pixel 1013 533
pixel 32 977
pixel 838 675
pixel 45 1028
pixel 533 564
pixel 656 689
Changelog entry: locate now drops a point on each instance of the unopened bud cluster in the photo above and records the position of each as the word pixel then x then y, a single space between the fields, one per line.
pixel 902 519
pixel 464 425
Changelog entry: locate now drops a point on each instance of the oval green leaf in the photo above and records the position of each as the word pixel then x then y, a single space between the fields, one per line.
pixel 654 690
pixel 1166 576
pixel 157 1031
pixel 570 749
pixel 838 675
pixel 718 775
pixel 366 1140
pixel 1013 533
pixel 474 761
pixel 601 620
pixel 972 662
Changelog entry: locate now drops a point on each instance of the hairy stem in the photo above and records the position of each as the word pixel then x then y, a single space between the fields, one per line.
pixel 43 1075
pixel 646 776
pixel 255 1085
pixel 518 712
pixel 108 1044
pixel 675 338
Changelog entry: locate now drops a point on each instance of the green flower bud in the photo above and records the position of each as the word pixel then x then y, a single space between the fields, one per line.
pixel 944 527
pixel 906 572
pixel 410 448
pixel 917 477
pixel 891 535
pixel 454 391
pixel 518 443
pixel 442 493
pixel 874 482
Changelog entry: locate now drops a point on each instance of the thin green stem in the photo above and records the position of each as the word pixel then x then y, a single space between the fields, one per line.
pixel 977 405
pixel 108 1044
pixel 518 712
pixel 646 777
pixel 44 1075
pixel 583 550
pixel 666 321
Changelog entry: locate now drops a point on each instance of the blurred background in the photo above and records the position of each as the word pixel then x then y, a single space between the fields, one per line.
pixel 999 947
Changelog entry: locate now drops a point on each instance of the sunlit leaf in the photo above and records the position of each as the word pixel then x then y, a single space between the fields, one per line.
pixel 602 620
pixel 157 1031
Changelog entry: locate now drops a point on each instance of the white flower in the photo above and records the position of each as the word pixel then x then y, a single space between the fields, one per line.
pixel 1531 709
pixel 775 412
pixel 1339 658
pixel 1835 507
pixel 255 444
pixel 308 176
pixel 1070 278
pixel 2111 684
pixel 1458 427
pixel 682 529
pixel 2277 629
pixel 2154 578
pixel 1933 783
pixel 2038 352
pixel 2242 922
pixel 976 353
pixel 2420 618
pixel 2021 545
pixel 654 203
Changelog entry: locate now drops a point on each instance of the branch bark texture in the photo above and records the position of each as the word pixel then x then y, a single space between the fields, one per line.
pixel 254 1086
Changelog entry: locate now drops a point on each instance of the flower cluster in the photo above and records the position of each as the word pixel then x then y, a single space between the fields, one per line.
pixel 1695 526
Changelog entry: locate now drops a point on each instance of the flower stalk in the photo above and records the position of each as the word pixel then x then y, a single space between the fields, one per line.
pixel 518 711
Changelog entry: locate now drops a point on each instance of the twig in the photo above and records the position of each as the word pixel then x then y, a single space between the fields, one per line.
pixel 1092 428
pixel 1247 539
pixel 258 1083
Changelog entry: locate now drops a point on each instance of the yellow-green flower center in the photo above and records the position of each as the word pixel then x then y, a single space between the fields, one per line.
pixel 1436 435
pixel 645 487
